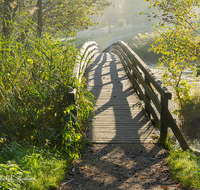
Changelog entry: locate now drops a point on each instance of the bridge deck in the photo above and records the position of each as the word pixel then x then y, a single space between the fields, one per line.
pixel 119 116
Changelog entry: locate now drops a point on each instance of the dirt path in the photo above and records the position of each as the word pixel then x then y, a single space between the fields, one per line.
pixel 120 166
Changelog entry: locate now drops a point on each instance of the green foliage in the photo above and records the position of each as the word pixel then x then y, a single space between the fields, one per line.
pixel 28 167
pixel 36 75
pixel 58 17
pixel 11 176
pixel 140 44
pixel 185 167
pixel 175 38
pixel 33 90
pixel 191 108
pixel 190 114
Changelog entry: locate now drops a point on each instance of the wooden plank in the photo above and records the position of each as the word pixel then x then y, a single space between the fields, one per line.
pixel 119 118
pixel 112 127
pixel 148 89
pixel 88 51
pixel 122 141
pixel 134 82
pixel 179 136
pixel 147 98
pixel 133 66
pixel 153 113
pixel 164 120
pixel 120 113
pixel 126 137
pixel 137 61
pixel 119 122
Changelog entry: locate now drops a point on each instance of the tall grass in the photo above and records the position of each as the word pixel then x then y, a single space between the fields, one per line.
pixel 35 75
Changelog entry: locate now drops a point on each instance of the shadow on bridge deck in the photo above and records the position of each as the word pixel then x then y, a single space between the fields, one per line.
pixel 119 117
pixel 125 155
pixel 128 150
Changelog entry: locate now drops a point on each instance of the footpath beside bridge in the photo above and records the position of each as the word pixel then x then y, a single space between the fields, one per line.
pixel 120 80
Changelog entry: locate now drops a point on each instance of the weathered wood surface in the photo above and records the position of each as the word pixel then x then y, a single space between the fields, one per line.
pixel 88 50
pixel 119 116
pixel 143 80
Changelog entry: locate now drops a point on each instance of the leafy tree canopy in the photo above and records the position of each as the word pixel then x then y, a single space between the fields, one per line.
pixel 177 39
pixel 51 17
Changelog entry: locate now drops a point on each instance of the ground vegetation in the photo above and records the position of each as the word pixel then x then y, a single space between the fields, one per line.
pixel 41 131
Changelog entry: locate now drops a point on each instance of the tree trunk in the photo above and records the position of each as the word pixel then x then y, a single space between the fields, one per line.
pixel 39 14
pixel 109 30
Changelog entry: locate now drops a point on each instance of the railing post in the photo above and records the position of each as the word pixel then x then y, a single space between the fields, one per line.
pixel 163 120
pixel 71 96
pixel 147 97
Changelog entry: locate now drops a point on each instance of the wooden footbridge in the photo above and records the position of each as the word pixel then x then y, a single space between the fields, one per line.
pixel 131 102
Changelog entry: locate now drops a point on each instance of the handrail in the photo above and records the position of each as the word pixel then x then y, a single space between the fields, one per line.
pixel 144 82
pixel 88 50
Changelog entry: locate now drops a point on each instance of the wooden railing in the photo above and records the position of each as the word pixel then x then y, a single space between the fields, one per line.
pixel 150 90
pixel 87 51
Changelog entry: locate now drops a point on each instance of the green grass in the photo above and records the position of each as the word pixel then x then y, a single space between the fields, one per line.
pixel 101 39
pixel 31 167
pixel 185 167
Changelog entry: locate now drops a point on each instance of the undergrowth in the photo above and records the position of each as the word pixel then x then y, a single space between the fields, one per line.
pixel 35 111
pixel 28 167
pixel 190 114
pixel 185 167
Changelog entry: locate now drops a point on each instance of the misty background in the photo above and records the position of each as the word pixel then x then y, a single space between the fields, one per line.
pixel 119 20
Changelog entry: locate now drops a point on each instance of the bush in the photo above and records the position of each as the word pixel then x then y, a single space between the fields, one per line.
pixel 141 44
pixel 34 91
pixel 121 22
pixel 34 84
pixel 34 108
pixel 190 114
pixel 35 76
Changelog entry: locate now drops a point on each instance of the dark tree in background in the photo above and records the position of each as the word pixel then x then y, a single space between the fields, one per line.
pixel 47 17
pixel 8 9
